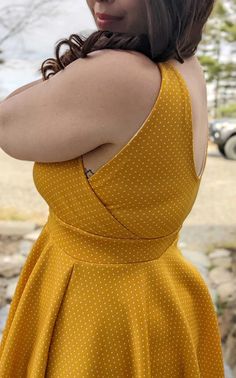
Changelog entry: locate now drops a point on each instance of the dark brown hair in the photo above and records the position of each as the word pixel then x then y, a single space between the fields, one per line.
pixel 174 31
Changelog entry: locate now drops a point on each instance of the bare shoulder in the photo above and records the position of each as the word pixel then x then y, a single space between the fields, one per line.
pixel 135 81
pixel 90 103
pixel 191 68
pixel 132 62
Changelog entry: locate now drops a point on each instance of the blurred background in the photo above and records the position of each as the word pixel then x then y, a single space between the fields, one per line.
pixel 29 31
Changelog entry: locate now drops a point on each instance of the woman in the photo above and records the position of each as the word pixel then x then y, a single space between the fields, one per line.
pixel 119 139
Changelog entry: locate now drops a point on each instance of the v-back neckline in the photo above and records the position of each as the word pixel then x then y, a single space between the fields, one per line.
pixel 161 66
pixel 99 173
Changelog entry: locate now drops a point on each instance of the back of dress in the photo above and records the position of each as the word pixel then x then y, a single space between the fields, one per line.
pixel 105 290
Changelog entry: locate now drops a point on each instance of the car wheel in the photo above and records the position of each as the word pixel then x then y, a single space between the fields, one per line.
pixel 221 149
pixel 230 148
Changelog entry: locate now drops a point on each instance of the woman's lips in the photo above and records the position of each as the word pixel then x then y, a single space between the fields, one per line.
pixel 104 16
pixel 107 21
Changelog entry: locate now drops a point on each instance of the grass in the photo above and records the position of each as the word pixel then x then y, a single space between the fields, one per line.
pixel 227 245
pixel 220 305
pixel 12 214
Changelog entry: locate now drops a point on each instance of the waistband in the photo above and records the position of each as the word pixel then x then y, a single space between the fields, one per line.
pixel 93 248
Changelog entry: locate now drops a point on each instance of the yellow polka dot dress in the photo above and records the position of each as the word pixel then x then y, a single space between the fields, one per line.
pixel 105 290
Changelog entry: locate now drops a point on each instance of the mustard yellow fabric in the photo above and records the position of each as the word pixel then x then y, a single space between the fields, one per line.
pixel 105 290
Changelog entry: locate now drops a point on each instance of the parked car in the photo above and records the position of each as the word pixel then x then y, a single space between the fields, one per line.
pixel 222 132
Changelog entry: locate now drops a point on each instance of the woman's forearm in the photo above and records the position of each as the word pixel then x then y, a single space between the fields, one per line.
pixel 23 88
pixel 17 91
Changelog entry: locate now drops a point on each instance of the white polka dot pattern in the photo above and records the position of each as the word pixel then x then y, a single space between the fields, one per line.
pixel 105 290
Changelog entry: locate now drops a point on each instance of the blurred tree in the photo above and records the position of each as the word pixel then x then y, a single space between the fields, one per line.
pixel 220 34
pixel 14 18
pixel 227 111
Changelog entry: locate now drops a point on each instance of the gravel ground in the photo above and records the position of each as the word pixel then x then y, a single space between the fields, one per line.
pixel 211 222
pixel 19 198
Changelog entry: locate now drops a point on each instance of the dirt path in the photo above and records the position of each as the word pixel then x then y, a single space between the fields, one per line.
pixel 212 220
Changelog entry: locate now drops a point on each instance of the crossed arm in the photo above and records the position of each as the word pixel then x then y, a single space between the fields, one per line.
pixel 73 112
pixel 15 92
pixel 23 88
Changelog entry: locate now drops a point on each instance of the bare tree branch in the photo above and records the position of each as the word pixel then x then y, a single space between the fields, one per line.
pixel 15 18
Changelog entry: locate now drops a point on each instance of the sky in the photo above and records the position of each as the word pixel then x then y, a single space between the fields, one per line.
pixel 24 52
pixel 39 39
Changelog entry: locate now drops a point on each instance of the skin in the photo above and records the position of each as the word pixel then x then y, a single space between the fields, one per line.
pixel 95 152
pixel 23 88
pixel 131 11
pixel 134 21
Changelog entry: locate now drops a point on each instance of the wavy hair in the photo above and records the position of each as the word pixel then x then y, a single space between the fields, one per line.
pixel 175 29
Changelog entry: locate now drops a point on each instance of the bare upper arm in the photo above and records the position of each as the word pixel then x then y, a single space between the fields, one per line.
pixel 23 88
pixel 73 112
